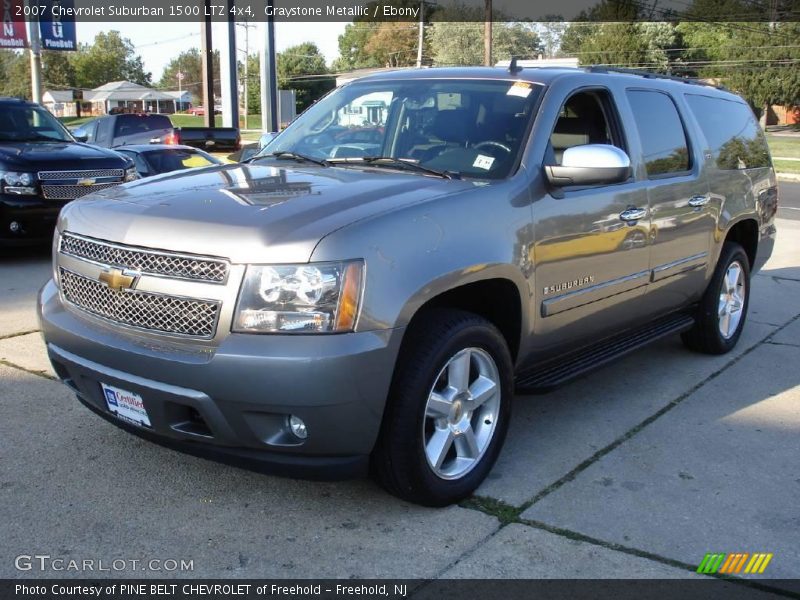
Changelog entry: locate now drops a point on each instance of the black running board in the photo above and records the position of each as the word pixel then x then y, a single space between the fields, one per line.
pixel 553 373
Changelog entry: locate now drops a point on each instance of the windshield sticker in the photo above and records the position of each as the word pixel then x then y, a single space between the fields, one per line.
pixel 483 162
pixel 522 89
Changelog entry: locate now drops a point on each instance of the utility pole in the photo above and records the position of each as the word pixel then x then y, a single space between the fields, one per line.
pixel 229 70
pixel 36 59
pixel 207 68
pixel 421 39
pixel 246 86
pixel 487 34
pixel 269 79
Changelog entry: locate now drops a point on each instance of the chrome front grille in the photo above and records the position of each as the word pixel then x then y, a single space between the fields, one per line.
pixel 151 262
pixel 72 192
pixel 143 310
pixel 95 174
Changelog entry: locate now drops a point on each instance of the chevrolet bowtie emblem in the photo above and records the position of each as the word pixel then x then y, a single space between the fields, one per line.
pixel 86 182
pixel 118 280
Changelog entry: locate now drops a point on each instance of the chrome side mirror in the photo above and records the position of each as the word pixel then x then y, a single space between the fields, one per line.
pixel 590 164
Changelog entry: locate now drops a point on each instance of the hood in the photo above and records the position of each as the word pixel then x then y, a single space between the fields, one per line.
pixel 58 156
pixel 247 213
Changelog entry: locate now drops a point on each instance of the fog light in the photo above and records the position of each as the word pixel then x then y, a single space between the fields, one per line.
pixel 298 427
pixel 15 227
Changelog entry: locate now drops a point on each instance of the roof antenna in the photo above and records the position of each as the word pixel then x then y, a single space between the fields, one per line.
pixel 513 68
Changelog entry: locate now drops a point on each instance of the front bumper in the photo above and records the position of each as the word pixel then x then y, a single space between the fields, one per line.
pixel 231 402
pixel 35 216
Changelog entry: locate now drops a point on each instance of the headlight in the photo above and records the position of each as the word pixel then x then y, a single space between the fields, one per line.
pixel 309 298
pixel 131 174
pixel 18 184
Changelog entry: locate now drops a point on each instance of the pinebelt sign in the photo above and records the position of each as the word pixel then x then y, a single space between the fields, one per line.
pixel 57 31
pixel 13 33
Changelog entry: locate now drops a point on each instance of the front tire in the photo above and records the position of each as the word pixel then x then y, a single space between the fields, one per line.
pixel 448 410
pixel 723 310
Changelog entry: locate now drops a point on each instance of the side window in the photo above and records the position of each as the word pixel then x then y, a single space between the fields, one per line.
pixel 103 131
pixel 733 135
pixel 141 166
pixel 90 131
pixel 585 118
pixel 661 132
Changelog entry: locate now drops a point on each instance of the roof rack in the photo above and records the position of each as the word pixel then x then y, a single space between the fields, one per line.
pixel 650 75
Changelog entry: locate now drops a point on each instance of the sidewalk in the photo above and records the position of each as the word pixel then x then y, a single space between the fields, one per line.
pixel 635 471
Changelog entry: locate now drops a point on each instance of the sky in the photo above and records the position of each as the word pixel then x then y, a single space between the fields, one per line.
pixel 158 43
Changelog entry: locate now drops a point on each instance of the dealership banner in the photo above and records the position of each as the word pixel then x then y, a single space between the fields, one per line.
pixel 57 25
pixel 13 33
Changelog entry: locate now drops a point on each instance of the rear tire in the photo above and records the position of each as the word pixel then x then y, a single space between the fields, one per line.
pixel 448 409
pixel 723 309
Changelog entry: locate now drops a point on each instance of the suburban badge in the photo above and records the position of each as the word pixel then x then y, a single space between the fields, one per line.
pixel 568 285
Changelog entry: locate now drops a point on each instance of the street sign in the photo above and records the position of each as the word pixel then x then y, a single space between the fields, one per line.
pixel 13 33
pixel 57 32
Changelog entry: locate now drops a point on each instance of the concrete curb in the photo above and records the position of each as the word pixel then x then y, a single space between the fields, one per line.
pixel 788 176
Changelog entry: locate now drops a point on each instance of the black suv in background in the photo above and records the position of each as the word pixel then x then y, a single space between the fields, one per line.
pixel 42 168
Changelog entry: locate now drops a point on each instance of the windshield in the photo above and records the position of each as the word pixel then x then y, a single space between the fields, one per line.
pixel 473 128
pixel 30 124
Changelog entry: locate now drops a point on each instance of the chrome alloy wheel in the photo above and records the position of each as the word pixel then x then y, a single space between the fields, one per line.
pixel 731 300
pixel 461 413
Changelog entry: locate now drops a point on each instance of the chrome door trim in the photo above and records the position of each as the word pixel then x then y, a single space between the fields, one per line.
pixel 577 298
pixel 676 267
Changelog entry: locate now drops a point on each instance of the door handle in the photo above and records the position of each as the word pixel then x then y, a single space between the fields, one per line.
pixel 697 201
pixel 633 214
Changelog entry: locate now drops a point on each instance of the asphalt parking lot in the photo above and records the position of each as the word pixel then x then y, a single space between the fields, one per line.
pixel 636 471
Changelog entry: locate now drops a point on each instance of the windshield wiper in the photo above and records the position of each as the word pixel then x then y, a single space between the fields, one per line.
pixel 392 162
pixel 297 157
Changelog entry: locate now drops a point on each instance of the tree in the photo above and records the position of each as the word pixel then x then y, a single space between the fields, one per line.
pixel 302 68
pixel 352 47
pixel 637 45
pixel 550 33
pixel 110 58
pixel 57 70
pixel 393 44
pixel 15 74
pixel 456 37
pixel 756 60
pixel 514 39
pixel 189 62
pixel 253 83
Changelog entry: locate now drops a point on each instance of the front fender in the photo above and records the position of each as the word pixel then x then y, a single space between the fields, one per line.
pixel 418 252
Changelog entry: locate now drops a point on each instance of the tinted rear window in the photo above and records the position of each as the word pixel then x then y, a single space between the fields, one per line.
pixel 660 131
pixel 732 133
pixel 132 124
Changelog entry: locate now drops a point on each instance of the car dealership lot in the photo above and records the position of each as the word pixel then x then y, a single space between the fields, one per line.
pixel 636 470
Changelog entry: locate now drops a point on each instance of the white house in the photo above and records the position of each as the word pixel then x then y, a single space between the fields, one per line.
pixel 116 96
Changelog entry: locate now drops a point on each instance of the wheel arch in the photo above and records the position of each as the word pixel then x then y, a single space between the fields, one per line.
pixel 745 233
pixel 497 295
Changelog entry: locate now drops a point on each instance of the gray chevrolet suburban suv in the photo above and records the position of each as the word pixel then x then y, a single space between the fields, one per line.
pixel 369 291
